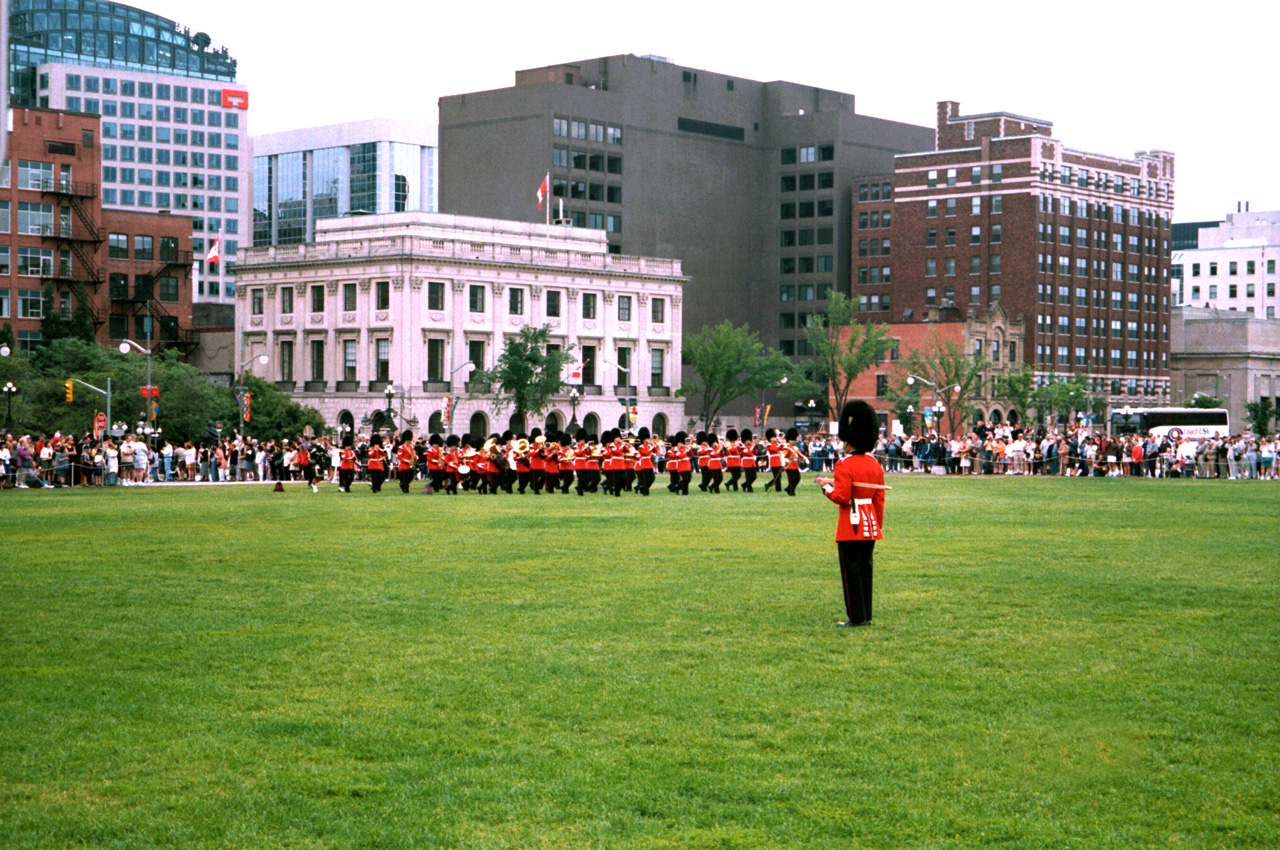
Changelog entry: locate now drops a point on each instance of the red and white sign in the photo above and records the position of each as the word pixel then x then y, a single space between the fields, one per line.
pixel 149 392
pixel 233 99
pixel 100 423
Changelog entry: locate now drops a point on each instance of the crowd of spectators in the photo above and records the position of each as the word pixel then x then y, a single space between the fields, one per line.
pixel 1079 451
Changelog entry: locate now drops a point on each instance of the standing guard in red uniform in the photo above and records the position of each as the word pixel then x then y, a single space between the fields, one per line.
pixel 405 459
pixel 377 463
pixel 774 451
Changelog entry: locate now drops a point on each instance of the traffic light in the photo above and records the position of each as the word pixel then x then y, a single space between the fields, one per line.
pixel 70 390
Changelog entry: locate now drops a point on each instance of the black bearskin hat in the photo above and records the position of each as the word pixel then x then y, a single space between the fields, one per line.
pixel 731 435
pixel 746 434
pixel 793 434
pixel 452 441
pixel 436 440
pixel 643 433
pixel 859 426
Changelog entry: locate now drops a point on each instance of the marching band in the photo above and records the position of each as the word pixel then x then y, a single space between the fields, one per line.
pixel 555 462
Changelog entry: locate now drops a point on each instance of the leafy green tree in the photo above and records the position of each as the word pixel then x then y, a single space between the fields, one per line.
pixel 729 363
pixel 1016 389
pixel 1260 413
pixel 6 335
pixel 527 373
pixel 1064 399
pixel 81 324
pixel 905 399
pixel 947 366
pixel 842 350
pixel 273 415
pixel 1203 401
pixel 53 326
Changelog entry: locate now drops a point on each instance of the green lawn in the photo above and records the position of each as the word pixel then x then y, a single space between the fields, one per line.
pixel 1054 664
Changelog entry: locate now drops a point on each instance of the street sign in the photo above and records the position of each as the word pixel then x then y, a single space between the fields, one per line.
pixel 149 392
pixel 100 422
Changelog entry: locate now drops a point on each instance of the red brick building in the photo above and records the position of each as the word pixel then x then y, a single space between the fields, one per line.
pixel 54 232
pixel 1075 243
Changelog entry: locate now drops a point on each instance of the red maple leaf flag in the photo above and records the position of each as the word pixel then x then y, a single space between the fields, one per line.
pixel 215 251
pixel 576 374
pixel 543 189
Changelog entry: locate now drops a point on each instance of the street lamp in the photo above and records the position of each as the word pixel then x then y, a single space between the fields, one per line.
pixel 938 406
pixel 124 349
pixel 573 402
pixel 390 393
pixel 9 389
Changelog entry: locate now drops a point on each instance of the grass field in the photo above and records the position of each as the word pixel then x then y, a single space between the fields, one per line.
pixel 1054 664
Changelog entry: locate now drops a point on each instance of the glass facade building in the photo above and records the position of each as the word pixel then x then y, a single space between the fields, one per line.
pixel 173 120
pixel 363 168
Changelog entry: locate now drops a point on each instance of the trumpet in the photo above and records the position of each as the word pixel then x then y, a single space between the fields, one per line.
pixel 568 456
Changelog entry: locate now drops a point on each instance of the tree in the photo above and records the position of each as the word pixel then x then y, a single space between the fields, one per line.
pixel 905 399
pixel 728 363
pixel 272 414
pixel 947 366
pixel 1260 414
pixel 842 350
pixel 527 374
pixel 1203 401
pixel 1016 389
pixel 6 335
pixel 1065 398
pixel 53 326
pixel 81 324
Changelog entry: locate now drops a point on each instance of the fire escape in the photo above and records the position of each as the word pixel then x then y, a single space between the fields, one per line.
pixel 74 231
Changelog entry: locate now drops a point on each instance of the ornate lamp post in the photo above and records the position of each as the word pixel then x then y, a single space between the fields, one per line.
pixel 573 402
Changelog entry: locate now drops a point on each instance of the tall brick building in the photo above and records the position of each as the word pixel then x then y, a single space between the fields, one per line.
pixel 54 233
pixel 1076 243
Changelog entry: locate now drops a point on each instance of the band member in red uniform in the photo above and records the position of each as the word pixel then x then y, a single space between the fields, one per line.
pixel 791 457
pixel 645 470
pixel 582 461
pixel 733 458
pixel 523 469
pixel 405 458
pixel 684 464
pixel 537 466
pixel 551 463
pixel 566 468
pixel 377 463
pixel 451 461
pixel 858 488
pixel 748 451
pixel 435 462
pixel 346 465
pixel 774 450
pixel 715 463
pixel 305 469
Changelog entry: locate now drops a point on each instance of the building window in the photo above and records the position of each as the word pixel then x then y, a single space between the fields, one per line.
pixel 553 303
pixel 317 298
pixel 476 298
pixel 349 360
pixel 382 295
pixel 588 305
pixel 435 295
pixel 624 308
pixel 348 297
pixel 382 363
pixel 515 301
pixel 143 248
pixel 656 371
pixel 118 246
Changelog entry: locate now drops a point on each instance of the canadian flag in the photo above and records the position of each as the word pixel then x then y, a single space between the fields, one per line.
pixel 576 374
pixel 543 189
pixel 215 251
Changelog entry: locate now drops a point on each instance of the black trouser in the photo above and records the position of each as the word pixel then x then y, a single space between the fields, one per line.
pixel 855 575
pixel 674 486
pixel 523 477
pixel 437 479
pixel 644 480
pixel 749 478
pixel 776 481
pixel 685 478
pixel 376 477
pixel 566 480
pixel 793 481
pixel 717 476
pixel 537 478
pixel 735 472
pixel 405 476
pixel 706 479
pixel 345 477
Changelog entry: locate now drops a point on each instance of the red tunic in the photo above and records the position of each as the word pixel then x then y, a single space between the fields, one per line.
pixel 775 455
pixel 861 508
pixel 377 457
pixel 405 456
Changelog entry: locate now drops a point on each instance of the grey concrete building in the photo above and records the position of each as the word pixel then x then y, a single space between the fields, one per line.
pixel 1230 354
pixel 747 183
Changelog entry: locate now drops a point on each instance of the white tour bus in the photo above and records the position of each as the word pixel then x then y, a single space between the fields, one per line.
pixel 1172 422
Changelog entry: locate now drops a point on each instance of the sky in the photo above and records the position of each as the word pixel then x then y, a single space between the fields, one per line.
pixel 1113 77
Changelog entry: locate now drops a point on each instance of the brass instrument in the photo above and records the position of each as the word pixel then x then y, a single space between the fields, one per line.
pixel 568 456
pixel 521 448
pixel 490 447
pixel 539 440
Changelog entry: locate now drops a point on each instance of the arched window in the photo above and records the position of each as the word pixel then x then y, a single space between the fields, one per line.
pixel 660 425
pixel 516 424
pixel 435 424
pixel 552 423
pixel 591 424
pixel 346 424
pixel 624 422
pixel 995 416
pixel 479 427
pixel 1013 417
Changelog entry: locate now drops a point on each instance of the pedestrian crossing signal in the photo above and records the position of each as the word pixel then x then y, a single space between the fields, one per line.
pixel 70 390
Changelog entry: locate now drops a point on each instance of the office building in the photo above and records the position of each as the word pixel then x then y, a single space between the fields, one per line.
pixel 381 321
pixel 1001 211
pixel 127 266
pixel 360 168
pixel 746 182
pixel 1233 266
pixel 174 121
